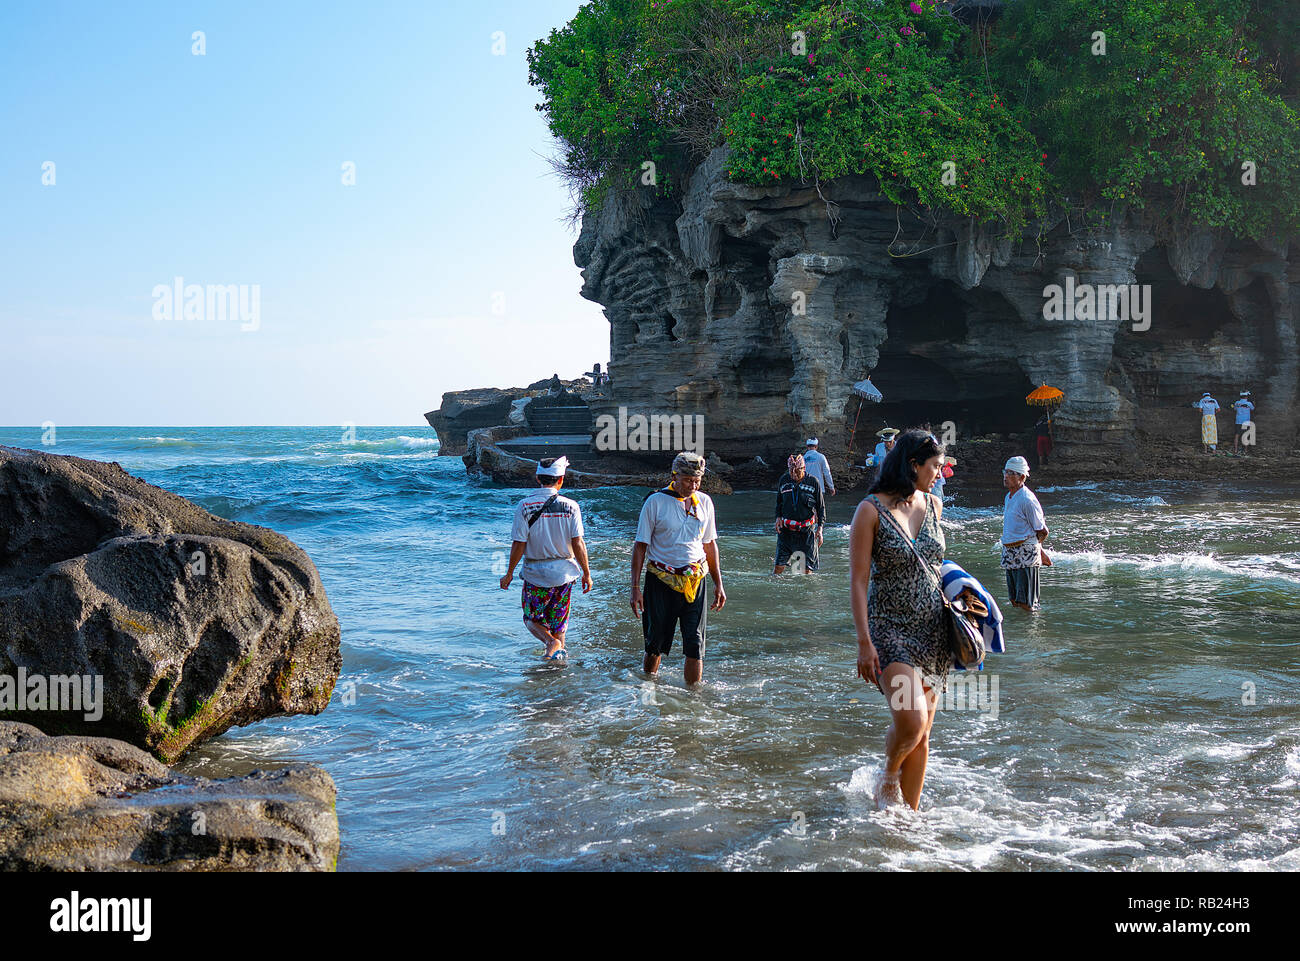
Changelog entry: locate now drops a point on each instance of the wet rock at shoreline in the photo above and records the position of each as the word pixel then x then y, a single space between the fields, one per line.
pixel 97 804
pixel 195 624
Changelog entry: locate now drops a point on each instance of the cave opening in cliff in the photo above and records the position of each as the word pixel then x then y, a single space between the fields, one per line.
pixel 932 370
pixel 1198 340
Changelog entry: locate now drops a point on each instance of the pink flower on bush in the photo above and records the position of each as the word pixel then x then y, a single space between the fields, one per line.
pixel 906 30
pixel 914 7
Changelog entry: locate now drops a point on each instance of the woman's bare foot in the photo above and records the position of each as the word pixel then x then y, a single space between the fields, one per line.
pixel 888 792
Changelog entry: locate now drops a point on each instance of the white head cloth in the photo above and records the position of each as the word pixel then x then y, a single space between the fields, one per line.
pixel 555 470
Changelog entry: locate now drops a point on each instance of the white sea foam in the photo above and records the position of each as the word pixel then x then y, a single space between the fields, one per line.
pixel 1254 566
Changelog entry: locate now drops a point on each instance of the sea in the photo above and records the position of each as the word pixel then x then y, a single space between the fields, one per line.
pixel 1145 719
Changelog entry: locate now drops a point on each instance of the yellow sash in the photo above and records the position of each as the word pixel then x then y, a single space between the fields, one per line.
pixel 687 583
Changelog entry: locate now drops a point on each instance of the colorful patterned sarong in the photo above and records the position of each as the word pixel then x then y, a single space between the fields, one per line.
pixel 548 606
pixel 686 580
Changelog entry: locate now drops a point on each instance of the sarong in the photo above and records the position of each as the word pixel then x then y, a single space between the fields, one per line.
pixel 1209 430
pixel 548 606
pixel 1022 564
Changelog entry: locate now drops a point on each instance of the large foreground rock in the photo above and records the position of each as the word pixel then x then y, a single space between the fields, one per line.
pixel 96 804
pixel 195 623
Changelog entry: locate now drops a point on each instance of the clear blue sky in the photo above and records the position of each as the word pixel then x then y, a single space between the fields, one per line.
pixel 226 168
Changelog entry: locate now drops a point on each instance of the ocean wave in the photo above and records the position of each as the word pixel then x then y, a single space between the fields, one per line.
pixel 383 443
pixel 1081 486
pixel 166 441
pixel 1255 565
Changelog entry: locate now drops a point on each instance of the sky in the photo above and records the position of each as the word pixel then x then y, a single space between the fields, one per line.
pixel 445 265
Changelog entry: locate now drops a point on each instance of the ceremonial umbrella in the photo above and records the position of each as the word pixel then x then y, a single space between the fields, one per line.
pixel 865 390
pixel 1045 397
pixel 1049 397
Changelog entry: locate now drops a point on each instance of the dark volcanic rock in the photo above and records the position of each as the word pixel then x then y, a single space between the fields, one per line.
pixel 465 410
pixel 701 295
pixel 96 804
pixel 195 623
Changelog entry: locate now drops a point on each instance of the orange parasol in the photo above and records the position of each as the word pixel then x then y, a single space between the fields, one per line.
pixel 1045 396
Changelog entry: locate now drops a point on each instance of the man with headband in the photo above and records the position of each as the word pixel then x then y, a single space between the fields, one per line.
pixel 800 516
pixel 676 543
pixel 547 534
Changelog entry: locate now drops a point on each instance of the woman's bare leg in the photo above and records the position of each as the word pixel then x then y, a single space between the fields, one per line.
pixel 910 712
pixel 912 775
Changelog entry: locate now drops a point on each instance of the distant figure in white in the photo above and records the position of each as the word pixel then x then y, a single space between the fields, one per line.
pixel 818 467
pixel 1024 528
pixel 547 534
pixel 1244 410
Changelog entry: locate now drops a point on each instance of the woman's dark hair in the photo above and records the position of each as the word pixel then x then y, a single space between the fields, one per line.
pixel 898 473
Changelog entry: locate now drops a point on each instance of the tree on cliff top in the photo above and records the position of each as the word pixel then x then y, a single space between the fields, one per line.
pixel 806 92
pixel 1164 110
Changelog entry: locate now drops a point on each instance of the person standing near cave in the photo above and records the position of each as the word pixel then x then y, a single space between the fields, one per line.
pixel 1209 408
pixel 1043 438
pixel 1244 410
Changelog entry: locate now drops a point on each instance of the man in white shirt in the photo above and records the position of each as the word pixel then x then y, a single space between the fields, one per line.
pixel 818 467
pixel 547 534
pixel 1209 407
pixel 1024 527
pixel 676 543
pixel 1243 408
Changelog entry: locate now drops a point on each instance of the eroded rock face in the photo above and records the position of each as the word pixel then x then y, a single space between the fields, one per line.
pixel 97 804
pixel 194 623
pixel 747 305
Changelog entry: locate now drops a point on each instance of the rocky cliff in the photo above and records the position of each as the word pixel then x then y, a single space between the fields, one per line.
pixel 703 295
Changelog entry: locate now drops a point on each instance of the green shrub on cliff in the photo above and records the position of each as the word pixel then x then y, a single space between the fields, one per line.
pixel 1166 113
pixel 810 91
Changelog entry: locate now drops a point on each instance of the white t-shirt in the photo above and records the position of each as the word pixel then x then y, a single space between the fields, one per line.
pixel 1022 515
pixel 1243 408
pixel 548 557
pixel 1208 405
pixel 676 538
pixel 816 464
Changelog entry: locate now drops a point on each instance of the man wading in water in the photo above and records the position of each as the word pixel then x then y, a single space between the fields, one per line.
pixel 800 515
pixel 547 534
pixel 675 537
pixel 1024 527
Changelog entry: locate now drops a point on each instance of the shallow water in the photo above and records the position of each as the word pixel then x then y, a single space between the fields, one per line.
pixel 1120 740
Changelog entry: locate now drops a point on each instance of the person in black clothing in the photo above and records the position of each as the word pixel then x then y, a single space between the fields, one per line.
pixel 800 514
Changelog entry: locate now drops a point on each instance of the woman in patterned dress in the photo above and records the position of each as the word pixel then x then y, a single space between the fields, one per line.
pixel 898 606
